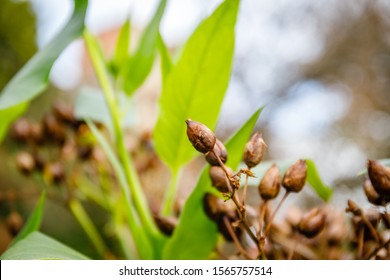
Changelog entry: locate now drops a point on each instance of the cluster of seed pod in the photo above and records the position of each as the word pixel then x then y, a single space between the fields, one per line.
pixel 48 144
pixel 233 223
pixel 372 226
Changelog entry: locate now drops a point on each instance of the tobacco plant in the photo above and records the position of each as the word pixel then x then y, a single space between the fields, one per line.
pixel 88 160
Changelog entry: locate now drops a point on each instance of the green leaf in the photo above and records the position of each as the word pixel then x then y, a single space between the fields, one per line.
pixel 37 246
pixel 34 221
pixel 166 61
pixel 314 179
pixel 122 48
pixel 91 104
pixel 196 235
pixel 33 78
pixel 139 65
pixel 7 116
pixel 196 85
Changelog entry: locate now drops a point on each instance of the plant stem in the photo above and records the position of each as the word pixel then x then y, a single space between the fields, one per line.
pixel 170 195
pixel 84 220
pixel 235 238
pixel 373 254
pixel 138 197
pixel 269 224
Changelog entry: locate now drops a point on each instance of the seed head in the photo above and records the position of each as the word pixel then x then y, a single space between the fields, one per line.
pixel 21 130
pixel 371 193
pixel 254 150
pixel 295 177
pixel 312 223
pixel 200 136
pixel 166 224
pixel 25 163
pixel 218 178
pixel 380 177
pixel 214 207
pixel 269 186
pixel 54 172
pixel 14 222
pixel 220 150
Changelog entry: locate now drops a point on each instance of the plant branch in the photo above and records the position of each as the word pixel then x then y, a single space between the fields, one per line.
pixel 138 197
pixel 235 238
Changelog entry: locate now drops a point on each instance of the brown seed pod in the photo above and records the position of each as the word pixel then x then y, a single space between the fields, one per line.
pixel 295 177
pixel 312 223
pixel 371 193
pixel 53 129
pixel 218 178
pixel 254 150
pixel 20 130
pixel 25 163
pixel 380 177
pixel 64 112
pixel 214 207
pixel 269 186
pixel 220 150
pixel 166 224
pixel 36 133
pixel 14 223
pixel 54 172
pixel 200 136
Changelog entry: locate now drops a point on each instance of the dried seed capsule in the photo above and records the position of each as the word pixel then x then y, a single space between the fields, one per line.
pixel 21 130
pixel 218 178
pixel 25 163
pixel 371 193
pixel 53 129
pixel 269 186
pixel 295 177
pixel 36 133
pixel 214 207
pixel 200 136
pixel 166 224
pixel 64 112
pixel 220 150
pixel 380 177
pixel 14 223
pixel 254 150
pixel 353 208
pixel 54 172
pixel 312 223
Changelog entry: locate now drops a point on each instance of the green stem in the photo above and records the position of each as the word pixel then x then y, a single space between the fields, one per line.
pixel 170 195
pixel 138 197
pixel 84 220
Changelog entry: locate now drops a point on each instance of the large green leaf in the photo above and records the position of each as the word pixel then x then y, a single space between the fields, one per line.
pixel 33 78
pixel 37 246
pixel 139 65
pixel 34 221
pixel 196 235
pixel 196 85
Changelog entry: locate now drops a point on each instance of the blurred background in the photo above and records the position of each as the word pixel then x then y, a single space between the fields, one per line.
pixel 321 67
